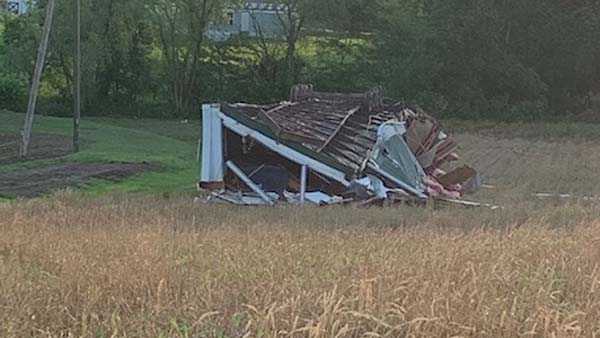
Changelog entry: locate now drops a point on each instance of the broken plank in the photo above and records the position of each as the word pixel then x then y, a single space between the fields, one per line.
pixel 239 173
pixel 469 204
pixel 339 128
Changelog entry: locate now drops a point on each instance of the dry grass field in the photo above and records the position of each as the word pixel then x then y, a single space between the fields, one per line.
pixel 139 266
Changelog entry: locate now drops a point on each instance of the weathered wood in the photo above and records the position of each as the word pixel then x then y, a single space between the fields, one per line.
pixel 300 91
pixel 373 99
pixel 35 82
pixel 339 128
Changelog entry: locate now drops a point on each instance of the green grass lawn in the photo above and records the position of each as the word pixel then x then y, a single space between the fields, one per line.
pixel 171 144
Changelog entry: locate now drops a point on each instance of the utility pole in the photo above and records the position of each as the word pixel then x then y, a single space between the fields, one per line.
pixel 35 81
pixel 76 74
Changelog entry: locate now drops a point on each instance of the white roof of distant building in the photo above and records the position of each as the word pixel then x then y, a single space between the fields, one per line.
pixel 261 6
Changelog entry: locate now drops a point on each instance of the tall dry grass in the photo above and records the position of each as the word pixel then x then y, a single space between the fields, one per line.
pixel 122 266
pixel 145 267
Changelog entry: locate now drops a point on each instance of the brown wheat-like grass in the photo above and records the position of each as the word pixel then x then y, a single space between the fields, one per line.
pixel 122 266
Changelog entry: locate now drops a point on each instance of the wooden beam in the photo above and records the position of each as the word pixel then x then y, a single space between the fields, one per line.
pixel 339 128
pixel 239 173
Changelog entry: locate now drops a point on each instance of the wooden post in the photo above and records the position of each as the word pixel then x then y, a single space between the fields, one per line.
pixel 76 74
pixel 35 81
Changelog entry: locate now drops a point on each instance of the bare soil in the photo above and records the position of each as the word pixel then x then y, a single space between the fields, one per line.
pixel 41 181
pixel 43 146
pixel 590 116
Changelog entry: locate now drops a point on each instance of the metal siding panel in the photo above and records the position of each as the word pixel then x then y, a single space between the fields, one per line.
pixel 212 145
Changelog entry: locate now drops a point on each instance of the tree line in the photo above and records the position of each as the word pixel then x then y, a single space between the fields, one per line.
pixel 467 58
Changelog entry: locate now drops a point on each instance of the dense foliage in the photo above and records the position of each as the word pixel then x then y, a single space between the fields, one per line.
pixel 492 58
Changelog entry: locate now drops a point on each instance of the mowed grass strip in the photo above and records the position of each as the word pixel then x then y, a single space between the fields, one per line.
pixel 148 267
pixel 171 145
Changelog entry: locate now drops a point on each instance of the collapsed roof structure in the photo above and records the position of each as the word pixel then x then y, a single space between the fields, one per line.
pixel 329 148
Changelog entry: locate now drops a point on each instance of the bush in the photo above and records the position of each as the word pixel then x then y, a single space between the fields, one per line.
pixel 13 95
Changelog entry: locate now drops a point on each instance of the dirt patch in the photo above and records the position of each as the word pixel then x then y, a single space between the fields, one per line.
pixel 589 116
pixel 37 182
pixel 42 146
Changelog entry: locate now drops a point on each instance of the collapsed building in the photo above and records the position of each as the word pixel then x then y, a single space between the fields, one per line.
pixel 329 148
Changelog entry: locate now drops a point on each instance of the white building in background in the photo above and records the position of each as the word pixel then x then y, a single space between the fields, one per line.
pixel 255 18
pixel 17 7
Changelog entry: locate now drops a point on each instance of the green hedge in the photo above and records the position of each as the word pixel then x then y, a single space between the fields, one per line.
pixel 13 93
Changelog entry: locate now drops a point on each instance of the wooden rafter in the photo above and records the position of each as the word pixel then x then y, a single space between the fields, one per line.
pixel 339 128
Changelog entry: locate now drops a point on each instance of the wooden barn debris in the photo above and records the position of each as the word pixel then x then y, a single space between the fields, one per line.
pixel 329 148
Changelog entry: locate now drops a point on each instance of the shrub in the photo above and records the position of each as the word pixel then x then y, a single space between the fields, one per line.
pixel 12 93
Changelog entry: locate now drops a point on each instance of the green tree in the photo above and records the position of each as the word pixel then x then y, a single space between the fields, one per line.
pixel 181 27
pixel 504 58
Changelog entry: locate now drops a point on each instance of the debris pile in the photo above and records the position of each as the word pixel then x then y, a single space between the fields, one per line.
pixel 329 148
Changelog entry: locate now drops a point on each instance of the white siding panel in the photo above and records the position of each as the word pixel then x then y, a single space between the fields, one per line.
pixel 212 145
pixel 245 27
